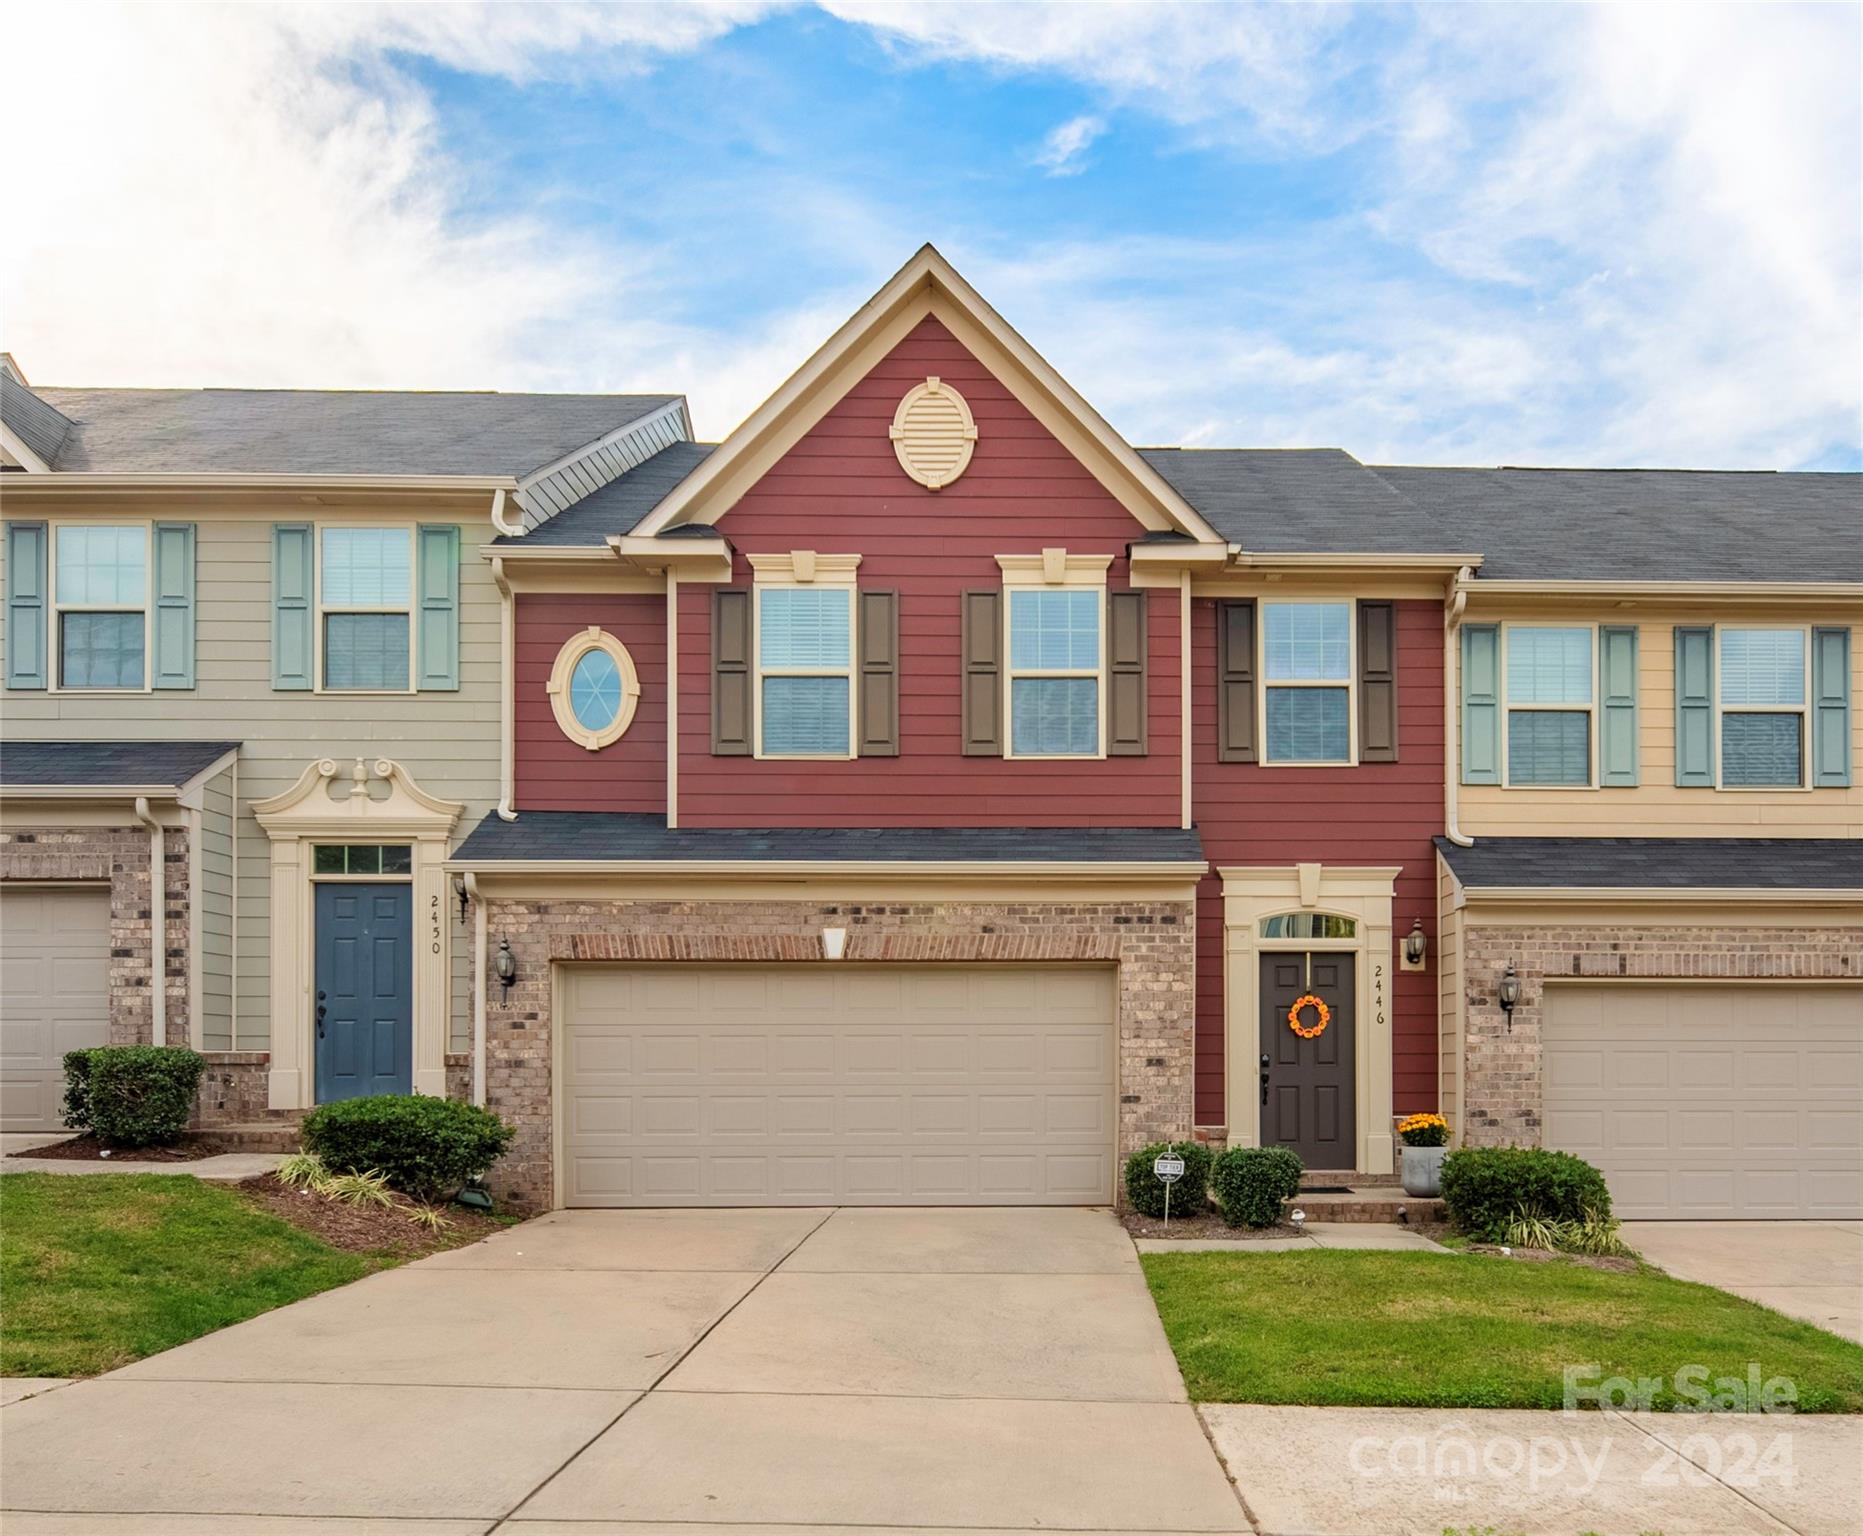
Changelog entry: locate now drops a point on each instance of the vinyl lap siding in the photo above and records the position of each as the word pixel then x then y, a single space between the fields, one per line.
pixel 553 772
pixel 840 490
pixel 1449 983
pixel 215 896
pixel 1377 814
pixel 448 741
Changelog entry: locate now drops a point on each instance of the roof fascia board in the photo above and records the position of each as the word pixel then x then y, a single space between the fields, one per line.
pixel 1759 895
pixel 873 330
pixel 92 791
pixel 16 445
pixel 60 483
pixel 1369 560
pixel 1726 591
pixel 1056 871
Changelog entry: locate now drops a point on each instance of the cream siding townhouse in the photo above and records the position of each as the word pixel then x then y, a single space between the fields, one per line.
pixel 253 665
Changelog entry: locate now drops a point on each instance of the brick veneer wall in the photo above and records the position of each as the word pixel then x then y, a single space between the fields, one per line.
pixel 1502 1067
pixel 1152 942
pixel 119 855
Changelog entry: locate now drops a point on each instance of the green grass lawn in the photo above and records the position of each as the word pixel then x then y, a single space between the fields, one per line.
pixel 100 1270
pixel 1465 1331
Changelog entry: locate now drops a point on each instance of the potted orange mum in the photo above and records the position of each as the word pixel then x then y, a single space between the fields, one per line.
pixel 1426 1141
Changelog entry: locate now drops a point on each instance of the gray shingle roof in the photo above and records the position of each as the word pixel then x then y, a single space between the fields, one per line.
pixel 40 425
pixel 626 837
pixel 103 764
pixel 329 432
pixel 1533 524
pixel 1667 863
pixel 622 502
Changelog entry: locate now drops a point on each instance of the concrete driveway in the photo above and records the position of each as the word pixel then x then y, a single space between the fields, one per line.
pixel 659 1370
pixel 1808 1269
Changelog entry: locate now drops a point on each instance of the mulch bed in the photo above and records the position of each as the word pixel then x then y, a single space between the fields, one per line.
pixel 363 1228
pixel 1615 1264
pixel 90 1149
pixel 1188 1227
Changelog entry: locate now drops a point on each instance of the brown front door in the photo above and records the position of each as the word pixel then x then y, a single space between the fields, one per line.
pixel 1308 1100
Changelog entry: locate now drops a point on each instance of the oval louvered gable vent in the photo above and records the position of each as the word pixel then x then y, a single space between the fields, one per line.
pixel 933 434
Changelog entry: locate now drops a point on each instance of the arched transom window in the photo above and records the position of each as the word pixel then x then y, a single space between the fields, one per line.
pixel 594 689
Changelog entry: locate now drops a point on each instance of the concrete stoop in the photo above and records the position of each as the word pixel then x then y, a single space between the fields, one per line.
pixel 279 1135
pixel 1369 1200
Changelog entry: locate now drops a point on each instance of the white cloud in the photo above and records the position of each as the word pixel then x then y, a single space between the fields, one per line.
pixel 1064 144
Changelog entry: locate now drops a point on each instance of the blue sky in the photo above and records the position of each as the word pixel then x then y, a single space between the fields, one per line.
pixel 1462 234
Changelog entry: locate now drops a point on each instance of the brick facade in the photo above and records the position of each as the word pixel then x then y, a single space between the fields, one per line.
pixel 1502 1066
pixel 120 856
pixel 1152 942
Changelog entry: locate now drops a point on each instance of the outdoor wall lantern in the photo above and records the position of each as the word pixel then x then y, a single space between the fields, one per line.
pixel 1509 994
pixel 1416 945
pixel 464 896
pixel 504 964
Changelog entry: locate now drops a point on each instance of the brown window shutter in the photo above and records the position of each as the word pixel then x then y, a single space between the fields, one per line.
pixel 1235 681
pixel 1125 682
pixel 982 680
pixel 731 674
pixel 879 674
pixel 1377 682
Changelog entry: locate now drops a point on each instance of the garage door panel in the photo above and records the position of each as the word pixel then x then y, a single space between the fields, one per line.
pixel 54 969
pixel 910 1085
pixel 1711 1102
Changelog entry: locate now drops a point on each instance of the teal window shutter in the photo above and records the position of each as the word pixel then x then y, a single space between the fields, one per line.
pixel 293 618
pixel 1830 708
pixel 437 643
pixel 1694 707
pixel 1617 706
pixel 25 605
pixel 173 621
pixel 1481 704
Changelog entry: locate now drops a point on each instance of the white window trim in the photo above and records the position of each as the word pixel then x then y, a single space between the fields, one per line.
pixel 1802 709
pixel 1349 682
pixel 55 648
pixel 1052 569
pixel 803 568
pixel 408 608
pixel 578 645
pixel 1590 710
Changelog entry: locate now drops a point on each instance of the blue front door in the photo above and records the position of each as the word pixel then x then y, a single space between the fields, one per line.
pixel 365 994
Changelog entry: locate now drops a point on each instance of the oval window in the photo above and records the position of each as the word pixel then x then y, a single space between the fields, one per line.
pixel 594 688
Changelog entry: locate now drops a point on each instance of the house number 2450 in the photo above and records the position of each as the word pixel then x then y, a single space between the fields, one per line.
pixel 433 917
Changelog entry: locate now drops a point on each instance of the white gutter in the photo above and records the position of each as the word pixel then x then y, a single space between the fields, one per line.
pixel 1058 870
pixel 507 530
pixel 1452 733
pixel 507 708
pixel 158 924
pixel 478 989
pixel 78 482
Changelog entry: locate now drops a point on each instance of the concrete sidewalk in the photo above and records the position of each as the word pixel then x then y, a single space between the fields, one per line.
pixel 225 1168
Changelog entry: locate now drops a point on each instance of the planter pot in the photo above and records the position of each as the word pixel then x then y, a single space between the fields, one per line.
pixel 1423 1170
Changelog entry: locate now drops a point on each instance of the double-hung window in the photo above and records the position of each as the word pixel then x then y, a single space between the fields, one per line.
pixel 1307 682
pixel 805 670
pixel 1056 671
pixel 365 591
pixel 100 592
pixel 1762 676
pixel 1550 685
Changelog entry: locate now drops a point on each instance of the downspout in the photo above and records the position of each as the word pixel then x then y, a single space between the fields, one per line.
pixel 507 685
pixel 478 989
pixel 1452 625
pixel 158 924
pixel 505 530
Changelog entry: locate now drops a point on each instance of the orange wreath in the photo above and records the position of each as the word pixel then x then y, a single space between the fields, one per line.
pixel 1318 1004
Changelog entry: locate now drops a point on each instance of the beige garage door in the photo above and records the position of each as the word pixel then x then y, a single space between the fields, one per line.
pixel 54 995
pixel 837 1085
pixel 1712 1101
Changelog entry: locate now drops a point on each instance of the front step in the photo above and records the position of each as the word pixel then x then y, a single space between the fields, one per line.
pixel 258 1136
pixel 1319 1178
pixel 1369 1201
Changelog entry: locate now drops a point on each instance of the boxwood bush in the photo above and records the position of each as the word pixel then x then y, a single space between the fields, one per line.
pixel 1253 1183
pixel 1484 1188
pixel 426 1147
pixel 131 1095
pixel 1190 1195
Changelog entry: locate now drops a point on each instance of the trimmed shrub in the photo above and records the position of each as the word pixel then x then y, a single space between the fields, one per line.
pixel 1190 1195
pixel 1485 1188
pixel 1253 1183
pixel 426 1147
pixel 132 1095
